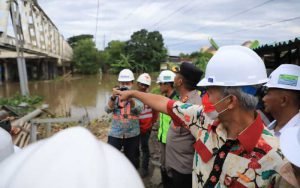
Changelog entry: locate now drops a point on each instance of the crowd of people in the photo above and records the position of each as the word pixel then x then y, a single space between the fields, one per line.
pixel 212 131
pixel 220 137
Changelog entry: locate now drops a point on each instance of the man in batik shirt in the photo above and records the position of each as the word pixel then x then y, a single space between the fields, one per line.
pixel 235 149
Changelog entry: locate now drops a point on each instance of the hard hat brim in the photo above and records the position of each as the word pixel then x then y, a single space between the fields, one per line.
pixel 270 85
pixel 144 83
pixel 289 143
pixel 125 80
pixel 204 83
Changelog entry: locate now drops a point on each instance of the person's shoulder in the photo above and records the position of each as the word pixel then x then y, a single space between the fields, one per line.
pixel 269 138
pixel 138 102
pixel 194 98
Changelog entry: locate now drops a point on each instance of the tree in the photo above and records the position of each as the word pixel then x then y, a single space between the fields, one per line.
pixel 104 59
pixel 194 55
pixel 115 48
pixel 202 60
pixel 147 49
pixel 124 62
pixel 183 55
pixel 73 41
pixel 86 57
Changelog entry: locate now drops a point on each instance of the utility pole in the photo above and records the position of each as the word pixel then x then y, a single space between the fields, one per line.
pixel 97 18
pixel 17 26
pixel 103 41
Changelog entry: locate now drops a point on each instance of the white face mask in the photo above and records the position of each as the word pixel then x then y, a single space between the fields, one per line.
pixel 214 114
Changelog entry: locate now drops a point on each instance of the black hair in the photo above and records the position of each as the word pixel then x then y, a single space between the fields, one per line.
pixel 188 84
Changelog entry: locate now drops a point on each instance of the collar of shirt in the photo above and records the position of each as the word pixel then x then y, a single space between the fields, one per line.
pixel 272 125
pixel 172 95
pixel 291 123
pixel 248 137
pixel 189 96
pixel 295 121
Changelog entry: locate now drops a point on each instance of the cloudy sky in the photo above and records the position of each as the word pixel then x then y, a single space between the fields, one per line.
pixel 185 25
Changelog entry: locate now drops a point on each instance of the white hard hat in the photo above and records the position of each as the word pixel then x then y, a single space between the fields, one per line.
pixel 166 76
pixel 234 66
pixel 6 144
pixel 71 158
pixel 125 75
pixel 290 144
pixel 286 76
pixel 144 79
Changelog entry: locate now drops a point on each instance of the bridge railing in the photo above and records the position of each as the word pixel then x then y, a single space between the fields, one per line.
pixel 40 34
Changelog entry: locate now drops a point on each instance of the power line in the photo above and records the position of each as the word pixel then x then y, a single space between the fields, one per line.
pixel 128 15
pixel 183 12
pixel 256 26
pixel 97 18
pixel 134 10
pixel 263 25
pixel 248 10
pixel 164 6
pixel 225 19
pixel 155 25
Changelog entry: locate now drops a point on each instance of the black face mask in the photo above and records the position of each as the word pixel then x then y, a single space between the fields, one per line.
pixel 5 124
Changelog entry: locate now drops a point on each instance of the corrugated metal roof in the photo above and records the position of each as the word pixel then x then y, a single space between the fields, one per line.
pixel 279 44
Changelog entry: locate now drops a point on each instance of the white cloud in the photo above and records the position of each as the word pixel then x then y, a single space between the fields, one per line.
pixel 184 24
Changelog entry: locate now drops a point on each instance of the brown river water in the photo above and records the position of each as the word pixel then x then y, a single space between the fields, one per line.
pixel 83 94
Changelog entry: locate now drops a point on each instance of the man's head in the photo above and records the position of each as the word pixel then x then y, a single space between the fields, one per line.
pixel 231 78
pixel 283 89
pixel 187 76
pixel 166 81
pixel 126 79
pixel 144 82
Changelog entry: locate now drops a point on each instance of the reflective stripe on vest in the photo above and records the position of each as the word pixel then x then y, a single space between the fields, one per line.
pixel 146 116
pixel 125 109
pixel 146 113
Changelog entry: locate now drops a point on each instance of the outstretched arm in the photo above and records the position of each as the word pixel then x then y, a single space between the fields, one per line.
pixel 157 102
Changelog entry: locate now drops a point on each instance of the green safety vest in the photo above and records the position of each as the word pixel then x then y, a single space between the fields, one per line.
pixel 164 123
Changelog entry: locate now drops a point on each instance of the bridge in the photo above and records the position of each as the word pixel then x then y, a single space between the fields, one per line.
pixel 28 34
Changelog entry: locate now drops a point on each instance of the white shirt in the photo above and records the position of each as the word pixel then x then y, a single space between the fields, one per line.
pixel 295 121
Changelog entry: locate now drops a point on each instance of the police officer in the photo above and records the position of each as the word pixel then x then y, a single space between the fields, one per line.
pixel 179 150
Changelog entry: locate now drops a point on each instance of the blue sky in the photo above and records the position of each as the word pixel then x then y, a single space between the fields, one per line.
pixel 185 25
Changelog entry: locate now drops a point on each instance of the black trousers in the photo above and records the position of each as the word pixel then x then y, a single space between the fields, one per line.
pixel 144 141
pixel 180 180
pixel 130 147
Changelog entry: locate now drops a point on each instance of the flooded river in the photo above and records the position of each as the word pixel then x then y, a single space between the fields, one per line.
pixel 86 94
